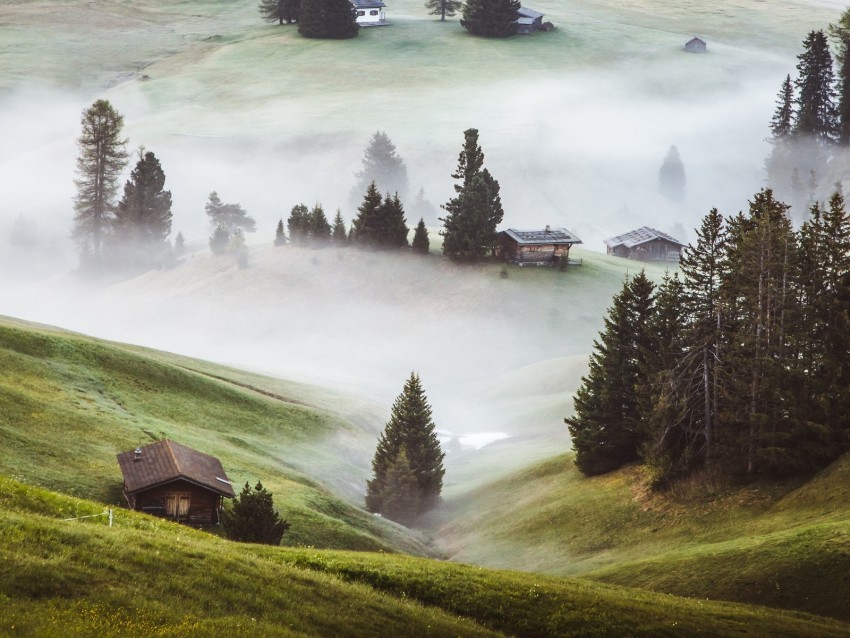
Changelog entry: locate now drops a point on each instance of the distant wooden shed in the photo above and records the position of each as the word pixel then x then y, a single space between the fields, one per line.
pixel 535 247
pixel 174 481
pixel 695 45
pixel 528 21
pixel 645 244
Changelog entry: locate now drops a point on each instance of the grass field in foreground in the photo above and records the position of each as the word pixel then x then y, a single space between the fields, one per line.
pixel 151 577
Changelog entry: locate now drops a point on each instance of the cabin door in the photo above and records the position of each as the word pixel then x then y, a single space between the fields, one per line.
pixel 177 505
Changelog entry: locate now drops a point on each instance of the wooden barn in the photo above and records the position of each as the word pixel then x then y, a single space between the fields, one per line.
pixel 645 244
pixel 695 45
pixel 173 481
pixel 529 21
pixel 535 247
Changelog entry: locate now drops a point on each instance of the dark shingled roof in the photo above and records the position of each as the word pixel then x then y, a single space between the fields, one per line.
pixel 529 13
pixel 547 236
pixel 166 461
pixel 367 4
pixel 640 236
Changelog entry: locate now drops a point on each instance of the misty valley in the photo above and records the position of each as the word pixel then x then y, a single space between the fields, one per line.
pixel 425 317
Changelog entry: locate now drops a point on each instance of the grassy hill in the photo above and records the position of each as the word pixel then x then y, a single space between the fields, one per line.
pixel 69 403
pixel 84 578
pixel 783 545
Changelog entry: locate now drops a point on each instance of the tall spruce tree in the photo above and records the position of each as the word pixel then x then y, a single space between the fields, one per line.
pixel 816 115
pixel 607 429
pixel 393 229
pixel 443 8
pixel 299 224
pixel 319 228
pixel 142 220
pixel 366 227
pixel 280 234
pixel 401 493
pixel 339 236
pixel 671 176
pixel 782 122
pixel 490 18
pixel 840 32
pixel 100 162
pixel 472 216
pixel 421 245
pixel 327 19
pixel 383 165
pixel 410 430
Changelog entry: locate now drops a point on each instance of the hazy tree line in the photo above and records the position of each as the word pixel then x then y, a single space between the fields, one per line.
pixel 741 365
pixel 810 127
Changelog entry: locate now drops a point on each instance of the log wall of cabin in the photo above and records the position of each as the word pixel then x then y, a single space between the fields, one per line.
pixel 533 253
pixel 204 505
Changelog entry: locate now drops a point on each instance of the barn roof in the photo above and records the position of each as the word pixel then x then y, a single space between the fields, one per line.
pixel 640 236
pixel 547 236
pixel 695 40
pixel 529 13
pixel 367 4
pixel 166 461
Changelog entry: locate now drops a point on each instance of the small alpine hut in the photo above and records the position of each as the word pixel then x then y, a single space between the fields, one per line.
pixel 645 244
pixel 535 247
pixel 173 481
pixel 528 21
pixel 695 45
pixel 370 13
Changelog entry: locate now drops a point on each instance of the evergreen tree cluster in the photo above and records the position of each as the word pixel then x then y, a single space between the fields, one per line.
pixel 252 517
pixel 742 365
pixel 382 165
pixel 491 18
pixel 328 19
pixel 309 227
pixel 408 464
pixel 380 222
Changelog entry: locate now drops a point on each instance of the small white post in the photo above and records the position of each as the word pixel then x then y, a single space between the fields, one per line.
pixel 110 517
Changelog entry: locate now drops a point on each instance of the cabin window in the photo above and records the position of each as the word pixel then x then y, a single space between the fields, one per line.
pixel 373 12
pixel 361 13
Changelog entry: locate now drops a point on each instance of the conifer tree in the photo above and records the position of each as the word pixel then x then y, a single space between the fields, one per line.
pixel 671 176
pixel 782 122
pixel 236 246
pixel 366 227
pixel 443 8
pixel 816 115
pixel 607 429
pixel 142 220
pixel 219 240
pixel 279 11
pixel 411 430
pixel 299 224
pixel 328 19
pixel 179 245
pixel 252 517
pixel 472 216
pixel 401 494
pixel 393 225
pixel 280 234
pixel 231 216
pixel 421 245
pixel 840 32
pixel 382 165
pixel 319 228
pixel 100 162
pixel 339 236
pixel 490 18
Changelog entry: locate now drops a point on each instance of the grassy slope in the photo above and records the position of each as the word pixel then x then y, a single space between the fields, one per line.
pixel 780 545
pixel 84 578
pixel 68 404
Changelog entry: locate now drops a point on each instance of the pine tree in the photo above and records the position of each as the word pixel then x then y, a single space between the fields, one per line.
pixel 179 245
pixel 816 114
pixel 279 11
pixel 219 240
pixel 100 162
pixel 424 208
pixel 421 245
pixel 299 224
pixel 782 122
pixel 280 234
pixel 490 18
pixel 472 216
pixel 252 517
pixel 328 19
pixel 366 227
pixel 142 220
pixel 411 430
pixel 384 166
pixel 231 216
pixel 671 176
pixel 607 429
pixel 319 228
pixel 339 236
pixel 840 32
pixel 393 225
pixel 443 8
pixel 236 246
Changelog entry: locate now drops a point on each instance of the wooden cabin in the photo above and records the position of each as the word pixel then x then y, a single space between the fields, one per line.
pixel 535 247
pixel 695 45
pixel 645 244
pixel 370 13
pixel 528 21
pixel 173 481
